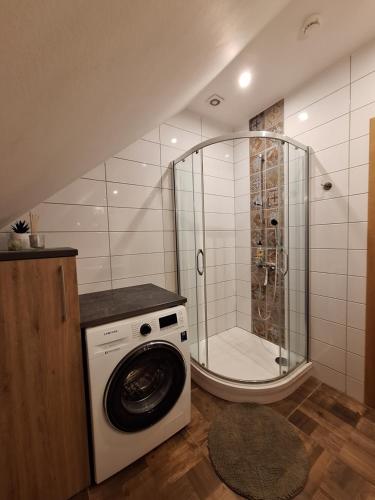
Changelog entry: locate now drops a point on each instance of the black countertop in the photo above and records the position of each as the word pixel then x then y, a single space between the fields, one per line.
pixel 99 308
pixel 38 253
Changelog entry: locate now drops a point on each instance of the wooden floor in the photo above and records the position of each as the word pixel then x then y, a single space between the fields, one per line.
pixel 338 432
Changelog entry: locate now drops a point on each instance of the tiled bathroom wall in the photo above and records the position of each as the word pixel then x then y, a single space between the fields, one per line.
pixel 266 200
pixel 120 216
pixel 331 114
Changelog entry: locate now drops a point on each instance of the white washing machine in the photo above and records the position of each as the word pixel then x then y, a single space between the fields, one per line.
pixel 139 386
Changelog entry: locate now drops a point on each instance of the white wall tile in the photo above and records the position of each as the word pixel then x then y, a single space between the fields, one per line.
pixel 132 172
pixel 326 109
pixel 360 121
pixel 97 173
pixel 328 332
pixel 332 211
pixel 328 261
pixel 88 244
pixel 153 135
pixel 328 376
pixel 339 187
pixel 355 366
pixel 355 389
pixel 328 355
pixel 242 169
pixel 219 256
pixel 218 204
pixel 93 269
pixel 128 266
pixel 134 242
pixel 329 160
pixel 133 219
pixel 142 151
pixel 358 208
pixel 329 236
pixel 214 185
pixel 359 151
pixel 329 285
pixel 241 151
pixel 333 78
pixel 54 217
pixel 357 289
pixel 357 262
pixel 363 91
pixel 358 235
pixel 242 186
pixel 81 192
pixel 329 309
pixel 242 204
pixel 357 315
pixel 327 135
pixel 218 168
pixel 358 180
pixel 131 196
pixel 178 138
pixel 356 341
pixel 156 279
pixel 220 151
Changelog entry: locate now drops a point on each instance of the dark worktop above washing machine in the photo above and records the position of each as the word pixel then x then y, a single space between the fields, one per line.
pixel 98 308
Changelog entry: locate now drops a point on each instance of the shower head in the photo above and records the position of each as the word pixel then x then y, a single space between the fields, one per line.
pixel 274 222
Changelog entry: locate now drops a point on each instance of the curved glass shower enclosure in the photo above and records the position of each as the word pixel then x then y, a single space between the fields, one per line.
pixel 241 213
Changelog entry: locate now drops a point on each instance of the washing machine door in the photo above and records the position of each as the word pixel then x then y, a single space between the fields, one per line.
pixel 144 386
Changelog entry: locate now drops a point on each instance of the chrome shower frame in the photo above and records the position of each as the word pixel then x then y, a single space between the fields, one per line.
pixel 249 135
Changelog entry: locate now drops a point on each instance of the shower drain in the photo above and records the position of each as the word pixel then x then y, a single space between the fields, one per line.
pixel 281 361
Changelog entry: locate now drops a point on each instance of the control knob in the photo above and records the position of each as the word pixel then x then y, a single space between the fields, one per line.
pixel 145 329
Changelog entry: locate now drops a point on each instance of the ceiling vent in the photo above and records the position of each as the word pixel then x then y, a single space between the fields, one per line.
pixel 215 100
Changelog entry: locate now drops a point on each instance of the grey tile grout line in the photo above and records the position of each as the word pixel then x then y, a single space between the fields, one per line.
pixel 108 231
pixel 347 236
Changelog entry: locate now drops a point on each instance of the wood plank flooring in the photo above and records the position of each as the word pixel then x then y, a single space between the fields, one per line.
pixel 338 432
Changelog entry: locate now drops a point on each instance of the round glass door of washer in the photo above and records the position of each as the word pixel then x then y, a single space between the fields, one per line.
pixel 144 386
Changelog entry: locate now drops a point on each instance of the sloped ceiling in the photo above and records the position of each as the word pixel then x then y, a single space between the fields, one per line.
pixel 280 60
pixel 81 79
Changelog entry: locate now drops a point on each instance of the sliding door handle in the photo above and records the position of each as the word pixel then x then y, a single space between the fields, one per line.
pixel 200 270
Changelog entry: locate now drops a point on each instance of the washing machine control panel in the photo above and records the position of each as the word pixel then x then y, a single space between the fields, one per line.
pixel 158 324
pixel 114 337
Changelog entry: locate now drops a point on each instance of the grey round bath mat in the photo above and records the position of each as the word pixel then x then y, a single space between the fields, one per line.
pixel 257 453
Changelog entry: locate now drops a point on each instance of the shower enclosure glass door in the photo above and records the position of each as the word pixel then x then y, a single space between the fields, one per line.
pixel 190 242
pixel 242 254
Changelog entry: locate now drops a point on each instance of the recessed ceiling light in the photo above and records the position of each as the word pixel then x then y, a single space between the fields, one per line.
pixel 303 116
pixel 227 155
pixel 173 140
pixel 115 191
pixel 244 79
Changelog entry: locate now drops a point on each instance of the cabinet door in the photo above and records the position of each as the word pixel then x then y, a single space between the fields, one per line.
pixel 43 436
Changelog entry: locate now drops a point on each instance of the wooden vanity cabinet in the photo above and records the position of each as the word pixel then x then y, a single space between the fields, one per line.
pixel 43 430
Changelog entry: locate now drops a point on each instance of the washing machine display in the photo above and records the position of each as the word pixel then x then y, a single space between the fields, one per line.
pixel 145 386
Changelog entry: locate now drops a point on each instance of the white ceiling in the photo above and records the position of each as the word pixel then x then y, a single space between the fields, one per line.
pixel 81 79
pixel 280 61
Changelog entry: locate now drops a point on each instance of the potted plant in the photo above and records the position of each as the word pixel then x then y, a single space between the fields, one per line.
pixel 19 239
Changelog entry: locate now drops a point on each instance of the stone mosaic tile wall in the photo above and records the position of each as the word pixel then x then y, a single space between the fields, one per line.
pixel 266 203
